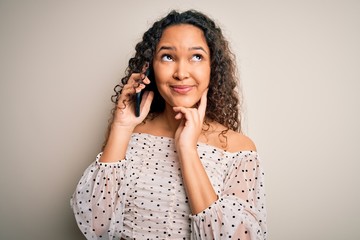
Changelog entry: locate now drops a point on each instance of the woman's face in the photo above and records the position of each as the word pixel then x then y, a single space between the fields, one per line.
pixel 182 65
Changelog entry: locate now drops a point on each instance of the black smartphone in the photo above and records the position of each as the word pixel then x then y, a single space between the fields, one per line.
pixel 148 87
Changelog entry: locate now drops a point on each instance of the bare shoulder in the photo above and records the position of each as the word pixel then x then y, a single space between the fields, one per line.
pixel 233 141
pixel 239 142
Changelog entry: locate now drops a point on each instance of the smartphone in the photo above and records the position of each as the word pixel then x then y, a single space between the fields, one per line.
pixel 149 87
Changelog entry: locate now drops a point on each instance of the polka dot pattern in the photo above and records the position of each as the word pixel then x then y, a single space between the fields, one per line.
pixel 143 197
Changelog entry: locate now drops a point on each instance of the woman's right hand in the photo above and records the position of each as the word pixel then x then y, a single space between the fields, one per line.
pixel 124 118
pixel 124 115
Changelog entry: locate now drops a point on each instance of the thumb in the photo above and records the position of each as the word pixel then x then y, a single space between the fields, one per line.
pixel 147 99
pixel 202 104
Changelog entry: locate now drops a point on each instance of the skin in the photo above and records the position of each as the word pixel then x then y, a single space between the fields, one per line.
pixel 182 74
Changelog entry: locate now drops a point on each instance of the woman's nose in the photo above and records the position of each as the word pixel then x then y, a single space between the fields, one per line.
pixel 181 71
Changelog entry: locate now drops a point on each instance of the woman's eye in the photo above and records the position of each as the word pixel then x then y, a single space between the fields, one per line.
pixel 166 58
pixel 197 58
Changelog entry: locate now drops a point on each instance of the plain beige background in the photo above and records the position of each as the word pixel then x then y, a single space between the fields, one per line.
pixel 299 65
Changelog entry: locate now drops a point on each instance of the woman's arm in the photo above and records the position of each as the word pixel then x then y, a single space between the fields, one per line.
pixel 125 120
pixel 199 189
pixel 240 210
pixel 200 192
pixel 117 143
pixel 95 200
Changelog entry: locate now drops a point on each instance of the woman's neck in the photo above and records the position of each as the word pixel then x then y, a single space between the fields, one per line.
pixel 166 121
pixel 165 124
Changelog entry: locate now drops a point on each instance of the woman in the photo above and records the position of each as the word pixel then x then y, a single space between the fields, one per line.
pixel 181 169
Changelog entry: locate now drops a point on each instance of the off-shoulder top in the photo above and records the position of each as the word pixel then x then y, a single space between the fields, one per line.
pixel 143 197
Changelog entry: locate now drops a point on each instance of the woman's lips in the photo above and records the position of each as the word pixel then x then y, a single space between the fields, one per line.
pixel 182 89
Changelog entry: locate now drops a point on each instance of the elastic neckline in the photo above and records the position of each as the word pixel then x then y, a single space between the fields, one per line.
pixel 200 144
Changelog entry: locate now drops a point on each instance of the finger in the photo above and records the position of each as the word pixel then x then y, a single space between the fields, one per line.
pixel 125 97
pixel 178 109
pixel 134 86
pixel 189 114
pixel 134 78
pixel 139 85
pixel 147 98
pixel 178 116
pixel 128 90
pixel 126 93
pixel 203 104
pixel 139 88
pixel 138 78
pixel 146 80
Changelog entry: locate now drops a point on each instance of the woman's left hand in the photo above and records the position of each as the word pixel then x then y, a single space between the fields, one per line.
pixel 192 119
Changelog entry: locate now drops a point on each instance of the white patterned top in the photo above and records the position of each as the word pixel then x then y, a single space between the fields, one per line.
pixel 143 197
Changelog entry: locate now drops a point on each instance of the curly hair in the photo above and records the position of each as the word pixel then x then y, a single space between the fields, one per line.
pixel 223 104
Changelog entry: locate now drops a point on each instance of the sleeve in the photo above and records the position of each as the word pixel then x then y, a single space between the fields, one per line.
pixel 239 212
pixel 95 201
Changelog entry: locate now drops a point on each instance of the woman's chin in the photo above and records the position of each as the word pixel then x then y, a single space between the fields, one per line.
pixel 186 105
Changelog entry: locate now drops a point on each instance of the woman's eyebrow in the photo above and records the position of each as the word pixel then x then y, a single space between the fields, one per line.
pixel 190 49
pixel 198 48
pixel 166 48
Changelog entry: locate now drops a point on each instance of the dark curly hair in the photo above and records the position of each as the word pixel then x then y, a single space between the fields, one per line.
pixel 223 98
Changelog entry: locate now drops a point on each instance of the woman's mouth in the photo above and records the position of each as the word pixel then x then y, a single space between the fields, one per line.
pixel 182 89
